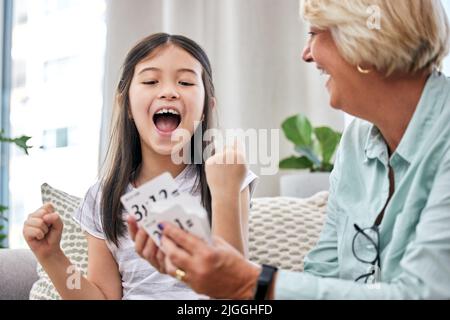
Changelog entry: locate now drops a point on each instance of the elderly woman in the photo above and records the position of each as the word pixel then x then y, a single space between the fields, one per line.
pixel 387 233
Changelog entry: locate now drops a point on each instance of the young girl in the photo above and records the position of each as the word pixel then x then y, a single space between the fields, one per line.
pixel 166 85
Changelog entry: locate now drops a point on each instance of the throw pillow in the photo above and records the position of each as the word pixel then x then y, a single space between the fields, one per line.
pixel 73 241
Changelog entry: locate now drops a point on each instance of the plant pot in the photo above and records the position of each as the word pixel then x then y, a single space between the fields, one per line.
pixel 304 184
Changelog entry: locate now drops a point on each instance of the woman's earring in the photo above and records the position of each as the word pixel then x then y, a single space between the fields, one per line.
pixel 363 71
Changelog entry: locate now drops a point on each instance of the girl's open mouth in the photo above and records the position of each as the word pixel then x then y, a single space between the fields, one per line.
pixel 167 120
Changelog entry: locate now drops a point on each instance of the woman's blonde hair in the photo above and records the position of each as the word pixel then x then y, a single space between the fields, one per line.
pixel 411 36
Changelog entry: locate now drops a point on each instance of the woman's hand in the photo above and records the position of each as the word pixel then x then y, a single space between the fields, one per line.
pixel 226 171
pixel 42 231
pixel 145 246
pixel 218 271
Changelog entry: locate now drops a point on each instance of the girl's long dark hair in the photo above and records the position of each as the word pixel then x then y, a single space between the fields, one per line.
pixel 124 152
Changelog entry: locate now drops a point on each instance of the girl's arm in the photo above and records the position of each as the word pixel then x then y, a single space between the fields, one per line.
pixel 230 208
pixel 230 218
pixel 225 172
pixel 42 231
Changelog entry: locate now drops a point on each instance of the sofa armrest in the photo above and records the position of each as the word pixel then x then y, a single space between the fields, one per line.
pixel 17 273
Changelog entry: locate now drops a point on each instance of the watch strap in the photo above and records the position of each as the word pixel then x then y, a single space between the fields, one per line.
pixel 264 281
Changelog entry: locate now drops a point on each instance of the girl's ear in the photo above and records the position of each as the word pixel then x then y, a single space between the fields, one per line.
pixel 212 103
pixel 130 115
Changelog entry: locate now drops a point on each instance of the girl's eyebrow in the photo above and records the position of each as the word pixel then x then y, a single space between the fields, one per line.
pixel 187 70
pixel 159 70
pixel 149 69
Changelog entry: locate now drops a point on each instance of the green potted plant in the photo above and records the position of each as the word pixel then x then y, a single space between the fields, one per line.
pixel 21 142
pixel 316 147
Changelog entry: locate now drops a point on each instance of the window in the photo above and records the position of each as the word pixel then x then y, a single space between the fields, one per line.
pixel 58 49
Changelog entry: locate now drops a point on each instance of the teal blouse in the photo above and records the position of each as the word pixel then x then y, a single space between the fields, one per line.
pixel 415 231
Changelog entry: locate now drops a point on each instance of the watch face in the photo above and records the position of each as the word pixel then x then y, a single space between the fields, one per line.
pixel 266 274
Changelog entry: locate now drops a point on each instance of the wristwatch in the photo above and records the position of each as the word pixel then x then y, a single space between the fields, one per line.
pixel 264 281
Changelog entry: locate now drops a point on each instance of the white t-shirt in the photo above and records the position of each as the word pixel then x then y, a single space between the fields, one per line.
pixel 139 279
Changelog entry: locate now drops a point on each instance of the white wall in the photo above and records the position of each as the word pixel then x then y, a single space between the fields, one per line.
pixel 255 48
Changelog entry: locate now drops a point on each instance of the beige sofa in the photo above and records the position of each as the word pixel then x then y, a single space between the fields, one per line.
pixel 282 231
